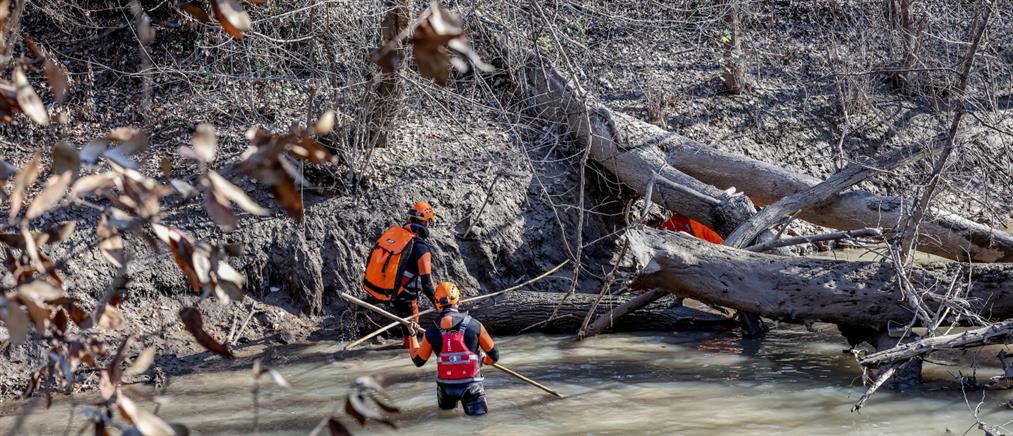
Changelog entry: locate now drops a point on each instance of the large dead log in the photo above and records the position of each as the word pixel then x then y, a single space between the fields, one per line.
pixel 632 150
pixel 640 165
pixel 943 233
pixel 519 310
pixel 798 289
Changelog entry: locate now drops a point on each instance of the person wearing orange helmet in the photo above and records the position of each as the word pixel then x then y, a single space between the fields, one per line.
pixel 458 340
pixel 400 266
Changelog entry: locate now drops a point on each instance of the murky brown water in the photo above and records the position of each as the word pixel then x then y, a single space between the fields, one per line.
pixel 792 383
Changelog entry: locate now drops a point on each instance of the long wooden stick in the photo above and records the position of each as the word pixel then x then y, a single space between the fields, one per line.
pixel 527 380
pixel 466 300
pixel 407 323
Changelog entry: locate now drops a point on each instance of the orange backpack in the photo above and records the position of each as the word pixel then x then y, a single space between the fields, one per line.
pixel 387 262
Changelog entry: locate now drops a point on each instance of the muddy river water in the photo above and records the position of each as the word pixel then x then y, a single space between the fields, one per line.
pixel 792 383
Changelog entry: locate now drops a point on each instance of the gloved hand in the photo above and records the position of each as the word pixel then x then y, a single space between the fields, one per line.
pixel 416 328
pixel 486 360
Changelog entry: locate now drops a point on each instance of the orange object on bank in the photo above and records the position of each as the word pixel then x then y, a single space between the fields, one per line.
pixel 682 223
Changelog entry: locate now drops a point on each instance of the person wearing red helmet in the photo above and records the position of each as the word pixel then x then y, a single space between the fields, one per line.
pixel 458 340
pixel 400 266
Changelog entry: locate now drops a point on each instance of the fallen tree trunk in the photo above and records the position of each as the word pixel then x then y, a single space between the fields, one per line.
pixel 519 310
pixel 631 148
pixel 797 289
pixel 942 233
pixel 638 164
pixel 606 320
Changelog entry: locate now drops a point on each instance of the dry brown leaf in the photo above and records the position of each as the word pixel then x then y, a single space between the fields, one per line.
pixel 183 188
pixel 147 423
pixel 111 243
pixel 325 123
pixel 432 62
pixel 228 283
pixel 16 322
pixel 220 212
pixel 111 318
pixel 65 158
pixel 105 385
pixel 310 150
pixel 288 196
pixel 385 58
pixel 202 263
pixel 24 179
pixel 144 194
pixel 37 312
pixel 115 367
pixel 142 362
pixel 29 101
pixel 32 249
pixel 182 251
pixel 85 185
pixel 232 193
pixel 258 136
pixel 122 134
pixel 56 76
pixel 196 12
pixel 50 196
pixel 194 324
pixel 205 142
pixel 14 240
pixel 59 232
pixel 463 48
pixel 40 291
pixel 431 57
pixel 32 47
pixel 232 17
pixel 60 320
pixel 145 32
pixel 165 166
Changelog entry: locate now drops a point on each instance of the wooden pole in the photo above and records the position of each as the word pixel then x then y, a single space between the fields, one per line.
pixel 527 380
pixel 407 323
pixel 466 300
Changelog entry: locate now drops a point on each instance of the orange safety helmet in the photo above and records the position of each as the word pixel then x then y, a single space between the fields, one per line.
pixel 422 211
pixel 447 294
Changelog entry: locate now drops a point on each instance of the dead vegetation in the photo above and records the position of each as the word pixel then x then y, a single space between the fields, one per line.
pixel 213 107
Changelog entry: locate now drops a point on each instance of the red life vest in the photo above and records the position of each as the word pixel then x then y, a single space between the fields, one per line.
pixel 455 362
